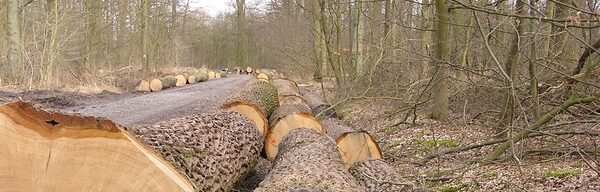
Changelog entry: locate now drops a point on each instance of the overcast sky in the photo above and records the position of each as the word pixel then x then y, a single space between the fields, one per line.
pixel 214 7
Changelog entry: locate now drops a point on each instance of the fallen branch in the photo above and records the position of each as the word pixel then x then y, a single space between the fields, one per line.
pixel 496 141
pixel 535 126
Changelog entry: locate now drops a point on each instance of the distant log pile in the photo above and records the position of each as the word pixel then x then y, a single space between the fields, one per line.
pixel 181 80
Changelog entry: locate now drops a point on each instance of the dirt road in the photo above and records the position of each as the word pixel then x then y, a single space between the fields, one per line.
pixel 138 109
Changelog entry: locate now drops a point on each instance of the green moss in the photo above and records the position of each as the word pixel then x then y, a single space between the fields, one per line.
pixel 447 188
pixel 433 144
pixel 560 173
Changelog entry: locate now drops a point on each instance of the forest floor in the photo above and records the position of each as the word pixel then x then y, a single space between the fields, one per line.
pixel 540 164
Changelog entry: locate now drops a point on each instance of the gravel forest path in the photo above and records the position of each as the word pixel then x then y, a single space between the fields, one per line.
pixel 149 108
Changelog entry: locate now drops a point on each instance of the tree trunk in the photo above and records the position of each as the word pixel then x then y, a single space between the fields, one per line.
pixel 308 161
pixel 145 14
pixel 50 52
pixel 510 67
pixel 214 150
pixel 242 39
pixel 92 15
pixel 439 73
pixel 285 119
pixel 143 86
pixel 426 19
pixel 49 151
pixel 319 42
pixel 357 39
pixel 14 60
pixel 181 80
pixel 198 77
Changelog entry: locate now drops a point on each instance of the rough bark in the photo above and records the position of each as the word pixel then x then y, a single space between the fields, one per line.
pixel 163 83
pixel 14 62
pixel 49 151
pixel 286 87
pixel 198 77
pixel 213 149
pixel 377 175
pixel 308 161
pixel 318 106
pixel 285 119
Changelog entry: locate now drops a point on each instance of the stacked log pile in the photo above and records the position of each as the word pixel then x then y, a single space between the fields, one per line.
pixel 360 152
pixel 169 81
pixel 308 161
pixel 211 151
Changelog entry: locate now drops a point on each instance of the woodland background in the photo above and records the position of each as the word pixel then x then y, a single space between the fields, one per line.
pixel 509 65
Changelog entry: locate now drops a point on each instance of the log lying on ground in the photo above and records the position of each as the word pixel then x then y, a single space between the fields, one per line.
pixel 308 161
pixel 213 149
pixel 289 93
pixel 263 77
pixel 256 101
pixel 142 86
pixel 163 83
pixel 353 145
pixel 223 74
pixel 46 151
pixel 217 75
pixel 286 87
pixel 198 77
pixel 318 106
pixel 285 119
pixel 248 70
pixel 181 81
pixel 377 175
pixel 211 74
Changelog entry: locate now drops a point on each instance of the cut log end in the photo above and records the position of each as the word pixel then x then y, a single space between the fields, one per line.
pixel 263 77
pixel 181 80
pixel 58 152
pixel 143 86
pixel 156 85
pixel 211 75
pixel 357 146
pixel 285 119
pixel 251 112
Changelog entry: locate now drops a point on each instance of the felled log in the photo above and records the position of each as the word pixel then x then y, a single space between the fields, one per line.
pixel 286 87
pixel 377 175
pixel 263 77
pixel 256 101
pixel 285 119
pixel 318 106
pixel 163 83
pixel 142 86
pixel 181 81
pixel 213 149
pixel 308 161
pixel 211 74
pixel 48 151
pixel 217 75
pixel 289 93
pixel 353 145
pixel 198 77
pixel 223 74
pixel 248 70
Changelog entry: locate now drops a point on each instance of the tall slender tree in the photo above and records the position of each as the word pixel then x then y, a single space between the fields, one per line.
pixel 242 35
pixel 15 44
pixel 439 71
